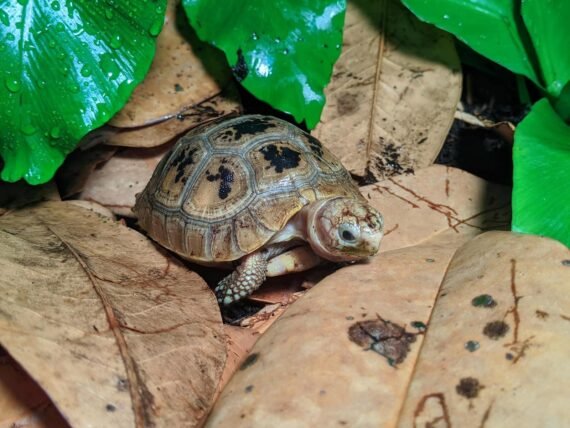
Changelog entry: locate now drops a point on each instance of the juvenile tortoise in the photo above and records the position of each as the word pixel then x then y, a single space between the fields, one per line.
pixel 257 190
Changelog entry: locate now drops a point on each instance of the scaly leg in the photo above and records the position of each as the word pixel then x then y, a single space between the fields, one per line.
pixel 247 277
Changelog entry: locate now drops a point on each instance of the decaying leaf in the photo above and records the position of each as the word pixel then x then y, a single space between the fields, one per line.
pixel 115 183
pixel 225 103
pixel 501 363
pixel 351 342
pixel 112 329
pixel 184 72
pixel 393 93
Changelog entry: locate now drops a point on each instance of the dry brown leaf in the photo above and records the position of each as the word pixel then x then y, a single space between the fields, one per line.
pixel 434 199
pixel 185 71
pixel 115 184
pixel 518 330
pixel 225 103
pixel 305 371
pixel 112 329
pixel 23 404
pixel 331 380
pixel 393 93
pixel 239 342
pixel 78 167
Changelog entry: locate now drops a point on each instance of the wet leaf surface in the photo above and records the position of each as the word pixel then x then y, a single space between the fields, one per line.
pixel 111 328
pixel 79 69
pixel 393 93
pixel 512 377
pixel 184 72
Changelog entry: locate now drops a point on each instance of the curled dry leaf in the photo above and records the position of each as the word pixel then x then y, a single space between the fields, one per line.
pixel 184 72
pixel 393 93
pixel 499 336
pixel 115 183
pixel 112 329
pixel 382 306
pixel 224 103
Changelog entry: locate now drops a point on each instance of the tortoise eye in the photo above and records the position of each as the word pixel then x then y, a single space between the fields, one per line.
pixel 349 233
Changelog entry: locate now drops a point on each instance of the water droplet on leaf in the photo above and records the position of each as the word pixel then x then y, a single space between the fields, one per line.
pixel 116 42
pixel 86 71
pixel 109 13
pixel 254 36
pixel 13 85
pixel 55 132
pixel 154 29
pixel 55 5
pixel 28 129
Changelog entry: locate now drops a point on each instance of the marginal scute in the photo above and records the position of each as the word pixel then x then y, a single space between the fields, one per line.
pixel 249 232
pixel 222 246
pixel 274 212
pixel 227 187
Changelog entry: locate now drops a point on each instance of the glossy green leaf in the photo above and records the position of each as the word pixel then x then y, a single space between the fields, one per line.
pixel 66 66
pixel 282 51
pixel 547 22
pixel 541 156
pixel 490 27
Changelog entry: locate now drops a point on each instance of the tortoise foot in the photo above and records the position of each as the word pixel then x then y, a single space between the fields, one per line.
pixel 247 277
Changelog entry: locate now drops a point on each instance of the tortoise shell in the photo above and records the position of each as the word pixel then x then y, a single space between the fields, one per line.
pixel 226 188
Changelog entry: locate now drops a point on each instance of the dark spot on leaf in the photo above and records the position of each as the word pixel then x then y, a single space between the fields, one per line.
pixel 226 178
pixel 178 88
pixel 389 162
pixel 240 70
pixel 251 126
pixel 181 161
pixel 346 103
pixel 469 387
pixel 110 408
pixel 383 337
pixel 509 356
pixel 430 260
pixel 566 262
pixel 281 158
pixel 496 329
pixel 541 314
pixel 472 345
pixel 249 361
pixel 248 388
pixel 484 301
pixel 122 384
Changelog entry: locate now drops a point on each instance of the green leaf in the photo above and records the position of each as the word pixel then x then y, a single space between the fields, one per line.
pixel 541 156
pixel 547 22
pixel 65 68
pixel 490 27
pixel 282 51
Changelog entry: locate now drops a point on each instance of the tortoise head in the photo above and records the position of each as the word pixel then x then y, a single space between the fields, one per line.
pixel 344 229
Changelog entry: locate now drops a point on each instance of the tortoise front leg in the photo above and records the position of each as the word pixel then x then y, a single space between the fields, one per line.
pixel 243 281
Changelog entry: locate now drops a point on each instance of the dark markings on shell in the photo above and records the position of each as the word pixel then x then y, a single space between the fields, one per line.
pixel 315 145
pixel 281 158
pixel 240 70
pixel 185 158
pixel 251 126
pixel 226 178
